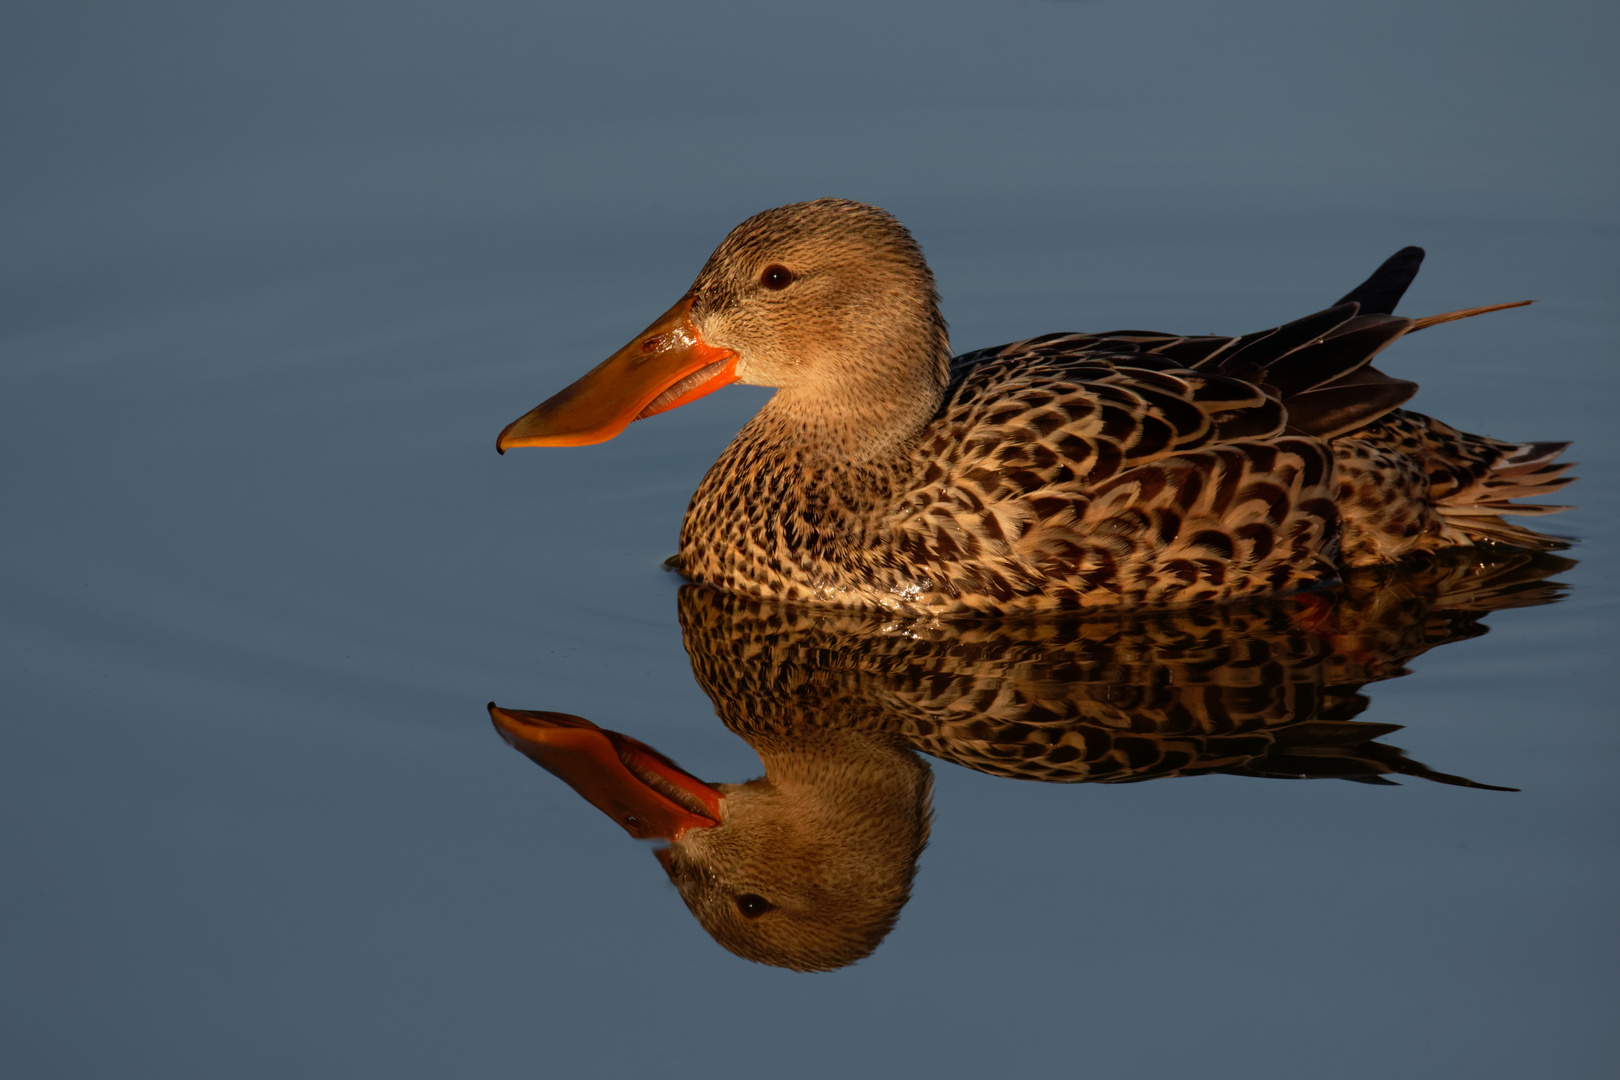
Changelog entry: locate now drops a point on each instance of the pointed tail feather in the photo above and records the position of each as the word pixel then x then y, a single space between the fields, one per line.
pixel 1524 469
pixel 1465 313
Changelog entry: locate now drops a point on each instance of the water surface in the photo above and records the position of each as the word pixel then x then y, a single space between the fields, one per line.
pixel 275 280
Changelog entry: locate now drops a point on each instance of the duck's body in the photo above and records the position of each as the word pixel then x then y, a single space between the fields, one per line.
pixel 1063 472
pixel 1092 471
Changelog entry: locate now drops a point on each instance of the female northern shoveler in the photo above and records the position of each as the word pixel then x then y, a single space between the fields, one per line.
pixel 1062 472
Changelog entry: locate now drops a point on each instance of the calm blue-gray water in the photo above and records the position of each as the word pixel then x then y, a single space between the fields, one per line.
pixel 273 279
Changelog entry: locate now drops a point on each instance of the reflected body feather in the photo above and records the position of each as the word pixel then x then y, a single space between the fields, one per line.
pixel 1115 696
pixel 808 866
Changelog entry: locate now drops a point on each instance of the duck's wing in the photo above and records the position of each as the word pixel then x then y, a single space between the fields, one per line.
pixel 1317 369
pixel 1142 467
pixel 1312 376
pixel 1133 467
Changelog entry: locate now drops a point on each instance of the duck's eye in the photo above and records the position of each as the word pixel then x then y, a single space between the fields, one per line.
pixel 752 905
pixel 776 276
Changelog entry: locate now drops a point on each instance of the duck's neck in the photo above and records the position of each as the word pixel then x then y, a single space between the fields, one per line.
pixel 846 780
pixel 863 424
pixel 868 408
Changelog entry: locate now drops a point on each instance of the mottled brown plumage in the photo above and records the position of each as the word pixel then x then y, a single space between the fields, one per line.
pixel 1067 471
pixel 1064 472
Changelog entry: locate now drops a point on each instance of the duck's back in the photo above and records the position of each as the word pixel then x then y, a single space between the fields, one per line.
pixel 1080 470
pixel 1075 470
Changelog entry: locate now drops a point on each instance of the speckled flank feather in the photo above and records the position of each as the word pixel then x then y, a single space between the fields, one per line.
pixel 1410 482
pixel 1068 471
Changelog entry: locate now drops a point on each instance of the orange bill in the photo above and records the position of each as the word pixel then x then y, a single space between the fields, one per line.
pixel 649 795
pixel 668 364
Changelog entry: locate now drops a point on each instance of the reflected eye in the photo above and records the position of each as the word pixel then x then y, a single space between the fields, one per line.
pixel 752 905
pixel 776 276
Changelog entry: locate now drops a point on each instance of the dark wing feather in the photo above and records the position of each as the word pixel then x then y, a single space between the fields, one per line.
pixel 1192 351
pixel 1333 410
pixel 1263 350
pixel 1379 294
pixel 1331 359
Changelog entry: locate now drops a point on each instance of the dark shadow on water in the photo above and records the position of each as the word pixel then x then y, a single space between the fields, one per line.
pixel 808 866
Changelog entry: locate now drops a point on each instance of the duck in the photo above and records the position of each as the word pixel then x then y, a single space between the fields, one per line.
pixel 808 866
pixel 1064 472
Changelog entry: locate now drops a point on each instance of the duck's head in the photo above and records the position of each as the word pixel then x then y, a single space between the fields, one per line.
pixel 830 301
pixel 803 879
pixel 807 870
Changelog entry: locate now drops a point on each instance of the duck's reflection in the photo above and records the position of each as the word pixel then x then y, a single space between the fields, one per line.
pixel 808 866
